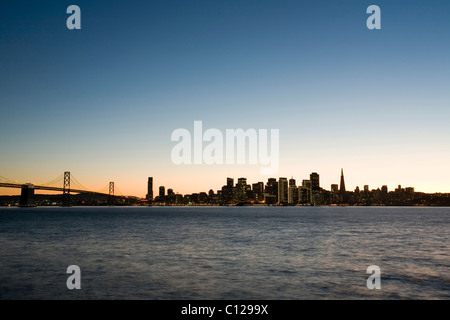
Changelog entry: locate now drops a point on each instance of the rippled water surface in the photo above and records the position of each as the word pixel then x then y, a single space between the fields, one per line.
pixel 225 252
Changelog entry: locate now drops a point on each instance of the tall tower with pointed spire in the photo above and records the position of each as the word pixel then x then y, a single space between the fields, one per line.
pixel 342 187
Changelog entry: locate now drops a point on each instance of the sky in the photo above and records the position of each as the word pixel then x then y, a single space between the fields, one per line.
pixel 103 101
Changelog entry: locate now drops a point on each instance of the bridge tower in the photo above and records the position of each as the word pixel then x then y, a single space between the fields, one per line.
pixel 111 194
pixel 66 190
pixel 27 196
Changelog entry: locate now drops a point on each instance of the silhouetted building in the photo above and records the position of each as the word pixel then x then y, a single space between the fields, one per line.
pixel 303 195
pixel 409 190
pixel 307 184
pixel 162 192
pixel 315 183
pixel 293 194
pixel 335 195
pixel 241 189
pixel 178 198
pixel 283 190
pixel 150 189
pixel 270 199
pixel 202 197
pixel 342 187
pixel 227 192
pixel 316 196
pixel 242 181
pixel 170 196
pixel 258 190
pixel 399 190
pixel 305 192
pixel 292 182
pixel 272 187
pixel 194 198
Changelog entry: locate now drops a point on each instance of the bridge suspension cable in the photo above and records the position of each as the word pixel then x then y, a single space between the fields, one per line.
pixel 8 180
pixel 74 181
pixel 54 181
pixel 117 191
pixel 77 184
pixel 105 189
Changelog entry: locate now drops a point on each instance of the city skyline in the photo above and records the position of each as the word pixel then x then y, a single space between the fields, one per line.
pixel 314 180
pixel 103 101
pixel 155 188
pixel 240 191
pixel 287 192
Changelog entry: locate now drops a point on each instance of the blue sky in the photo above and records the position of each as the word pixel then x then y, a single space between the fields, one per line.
pixel 102 102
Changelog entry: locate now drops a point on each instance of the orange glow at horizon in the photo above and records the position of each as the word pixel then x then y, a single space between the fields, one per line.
pixel 184 180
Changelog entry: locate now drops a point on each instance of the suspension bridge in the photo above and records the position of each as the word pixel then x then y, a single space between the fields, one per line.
pixel 64 183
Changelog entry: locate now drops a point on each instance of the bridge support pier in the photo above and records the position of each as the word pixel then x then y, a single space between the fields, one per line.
pixel 27 196
pixel 111 201
pixel 66 190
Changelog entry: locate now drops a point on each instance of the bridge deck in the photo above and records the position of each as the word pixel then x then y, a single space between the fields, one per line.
pixel 36 187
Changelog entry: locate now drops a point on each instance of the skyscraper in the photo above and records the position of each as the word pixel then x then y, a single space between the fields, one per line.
pixel 258 190
pixel 272 187
pixel 304 192
pixel 307 184
pixel 342 187
pixel 170 196
pixel 409 190
pixel 293 195
pixel 227 191
pixel 335 195
pixel 162 191
pixel 241 189
pixel 242 181
pixel 150 189
pixel 293 192
pixel 283 190
pixel 292 182
pixel 315 184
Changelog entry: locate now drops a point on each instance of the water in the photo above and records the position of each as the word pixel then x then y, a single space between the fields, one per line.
pixel 225 252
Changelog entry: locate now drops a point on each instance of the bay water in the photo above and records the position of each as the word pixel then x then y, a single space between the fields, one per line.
pixel 282 253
